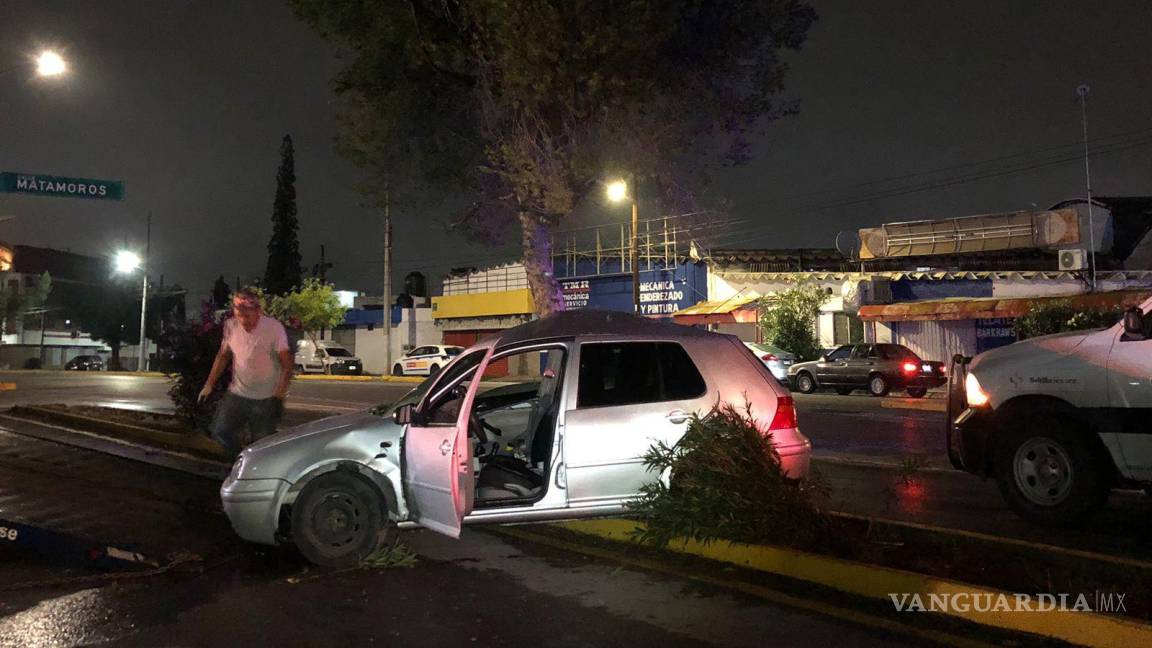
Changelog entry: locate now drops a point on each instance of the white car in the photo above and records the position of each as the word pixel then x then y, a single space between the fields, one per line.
pixel 425 360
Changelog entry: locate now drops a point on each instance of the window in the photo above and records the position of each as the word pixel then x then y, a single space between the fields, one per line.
pixel 840 354
pixel 863 352
pixel 847 329
pixel 450 390
pixel 625 373
pixel 422 351
pixel 337 352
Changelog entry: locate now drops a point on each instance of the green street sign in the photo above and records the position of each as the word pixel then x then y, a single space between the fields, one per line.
pixel 46 185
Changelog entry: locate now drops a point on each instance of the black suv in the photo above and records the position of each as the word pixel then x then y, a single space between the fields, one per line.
pixel 879 368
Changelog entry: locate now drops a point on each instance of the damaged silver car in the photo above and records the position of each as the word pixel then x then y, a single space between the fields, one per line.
pixel 545 421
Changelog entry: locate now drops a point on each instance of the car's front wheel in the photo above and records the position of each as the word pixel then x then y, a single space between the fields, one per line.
pixel 805 383
pixel 1050 474
pixel 878 385
pixel 339 520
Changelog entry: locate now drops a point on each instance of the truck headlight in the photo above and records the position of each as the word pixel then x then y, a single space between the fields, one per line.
pixel 974 393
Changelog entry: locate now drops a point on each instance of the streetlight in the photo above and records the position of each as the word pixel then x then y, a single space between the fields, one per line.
pixel 617 191
pixel 128 262
pixel 50 64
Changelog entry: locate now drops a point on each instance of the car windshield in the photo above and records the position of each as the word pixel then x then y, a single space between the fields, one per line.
pixel 338 352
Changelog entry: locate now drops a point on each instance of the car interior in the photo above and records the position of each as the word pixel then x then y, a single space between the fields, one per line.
pixel 513 425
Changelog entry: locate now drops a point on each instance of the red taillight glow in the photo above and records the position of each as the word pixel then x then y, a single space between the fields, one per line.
pixel 911 367
pixel 769 357
pixel 785 418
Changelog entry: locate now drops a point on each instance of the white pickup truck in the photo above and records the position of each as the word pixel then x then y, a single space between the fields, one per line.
pixel 1058 420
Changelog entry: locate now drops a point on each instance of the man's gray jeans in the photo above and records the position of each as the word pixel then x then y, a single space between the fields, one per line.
pixel 234 413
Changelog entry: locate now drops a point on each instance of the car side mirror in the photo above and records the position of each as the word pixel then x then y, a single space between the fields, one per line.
pixel 403 415
pixel 1133 324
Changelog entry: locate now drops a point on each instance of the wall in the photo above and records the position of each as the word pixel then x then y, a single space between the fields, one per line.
pixel 936 340
pixel 416 327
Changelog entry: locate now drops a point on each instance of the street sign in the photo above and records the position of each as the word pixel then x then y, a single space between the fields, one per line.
pixel 46 185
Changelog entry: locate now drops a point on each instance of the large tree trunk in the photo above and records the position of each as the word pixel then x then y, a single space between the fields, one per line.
pixel 537 243
pixel 114 361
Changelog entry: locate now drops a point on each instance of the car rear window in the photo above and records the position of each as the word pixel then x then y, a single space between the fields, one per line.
pixel 896 352
pixel 626 373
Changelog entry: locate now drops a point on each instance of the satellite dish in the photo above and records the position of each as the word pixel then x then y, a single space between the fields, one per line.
pixel 848 243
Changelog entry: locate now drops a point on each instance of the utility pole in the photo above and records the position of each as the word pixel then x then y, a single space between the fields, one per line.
pixel 387 281
pixel 322 269
pixel 1082 92
pixel 635 254
pixel 144 296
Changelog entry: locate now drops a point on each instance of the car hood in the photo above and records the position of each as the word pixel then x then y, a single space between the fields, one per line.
pixel 325 429
pixel 1047 347
pixel 802 365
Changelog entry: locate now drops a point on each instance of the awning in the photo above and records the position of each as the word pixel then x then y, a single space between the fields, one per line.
pixel 734 310
pixel 961 308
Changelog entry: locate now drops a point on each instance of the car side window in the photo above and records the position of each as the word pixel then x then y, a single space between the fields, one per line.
pixel 862 352
pixel 840 353
pixel 626 373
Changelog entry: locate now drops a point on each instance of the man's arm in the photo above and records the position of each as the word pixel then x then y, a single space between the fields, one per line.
pixel 223 357
pixel 286 368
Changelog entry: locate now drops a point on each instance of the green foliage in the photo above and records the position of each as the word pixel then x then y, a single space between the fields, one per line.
pixel 789 320
pixel 17 304
pixel 313 307
pixel 193 348
pixel 283 269
pixel 727 483
pixel 390 555
pixel 1060 316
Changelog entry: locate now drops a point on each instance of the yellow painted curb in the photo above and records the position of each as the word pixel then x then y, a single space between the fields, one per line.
pixel 326 377
pixel 7 386
pixel 924 405
pixel 871 581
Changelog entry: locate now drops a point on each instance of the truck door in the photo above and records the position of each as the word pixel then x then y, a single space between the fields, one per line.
pixel 438 474
pixel 1130 395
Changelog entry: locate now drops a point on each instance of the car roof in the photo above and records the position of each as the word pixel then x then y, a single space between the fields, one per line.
pixel 576 323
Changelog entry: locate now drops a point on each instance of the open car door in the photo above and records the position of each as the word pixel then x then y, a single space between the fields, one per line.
pixel 438 475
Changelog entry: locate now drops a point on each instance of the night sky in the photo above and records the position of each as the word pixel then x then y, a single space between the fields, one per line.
pixel 908 110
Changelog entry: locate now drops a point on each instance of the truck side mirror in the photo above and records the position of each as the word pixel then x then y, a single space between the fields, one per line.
pixel 403 415
pixel 1134 324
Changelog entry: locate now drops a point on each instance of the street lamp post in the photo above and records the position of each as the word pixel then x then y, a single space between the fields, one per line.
pixel 128 262
pixel 618 190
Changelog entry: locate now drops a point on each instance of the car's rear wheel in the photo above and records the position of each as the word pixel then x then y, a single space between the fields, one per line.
pixel 433 370
pixel 1049 472
pixel 878 385
pixel 339 520
pixel 843 391
pixel 805 383
pixel 917 392
pixel 397 370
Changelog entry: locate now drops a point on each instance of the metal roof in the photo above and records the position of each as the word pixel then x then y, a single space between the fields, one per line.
pixel 964 308
pixel 1029 275
pixel 575 323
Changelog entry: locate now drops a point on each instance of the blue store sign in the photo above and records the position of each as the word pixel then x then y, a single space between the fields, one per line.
pixel 662 292
pixel 994 332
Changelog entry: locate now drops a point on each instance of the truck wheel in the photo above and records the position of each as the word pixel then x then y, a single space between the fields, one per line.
pixel 397 370
pixel 917 392
pixel 878 385
pixel 805 383
pixel 339 520
pixel 1048 473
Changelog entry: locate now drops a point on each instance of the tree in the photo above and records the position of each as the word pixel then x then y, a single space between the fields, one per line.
pixel 526 107
pixel 283 270
pixel 221 293
pixel 313 307
pixel 1059 316
pixel 110 313
pixel 789 320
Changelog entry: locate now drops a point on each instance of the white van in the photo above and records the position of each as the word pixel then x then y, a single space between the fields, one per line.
pixel 327 358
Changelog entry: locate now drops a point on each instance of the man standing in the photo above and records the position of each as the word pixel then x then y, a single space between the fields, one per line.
pixel 257 347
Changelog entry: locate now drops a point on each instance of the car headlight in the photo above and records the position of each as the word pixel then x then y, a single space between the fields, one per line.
pixel 974 393
pixel 236 468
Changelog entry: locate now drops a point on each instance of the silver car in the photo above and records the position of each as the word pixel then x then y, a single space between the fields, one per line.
pixel 548 420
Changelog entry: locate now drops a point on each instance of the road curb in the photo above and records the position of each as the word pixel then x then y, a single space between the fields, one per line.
pixel 190 443
pixel 871 581
pixel 361 378
pixel 920 404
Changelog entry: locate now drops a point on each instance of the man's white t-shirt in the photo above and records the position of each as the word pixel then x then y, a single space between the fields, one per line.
pixel 255 356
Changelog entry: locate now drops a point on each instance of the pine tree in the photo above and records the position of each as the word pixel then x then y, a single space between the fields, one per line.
pixel 220 293
pixel 283 272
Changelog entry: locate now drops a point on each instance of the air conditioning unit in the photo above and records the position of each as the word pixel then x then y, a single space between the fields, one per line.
pixel 1072 260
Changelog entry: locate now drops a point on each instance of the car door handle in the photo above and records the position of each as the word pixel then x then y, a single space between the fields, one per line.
pixel 445 447
pixel 677 417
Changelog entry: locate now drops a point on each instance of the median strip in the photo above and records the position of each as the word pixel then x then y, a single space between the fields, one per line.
pixel 888 584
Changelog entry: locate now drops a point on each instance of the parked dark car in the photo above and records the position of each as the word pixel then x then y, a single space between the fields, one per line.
pixel 85 363
pixel 879 368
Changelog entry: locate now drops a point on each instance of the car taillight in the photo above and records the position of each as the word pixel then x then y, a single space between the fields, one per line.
pixel 785 418
pixel 769 357
pixel 910 367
